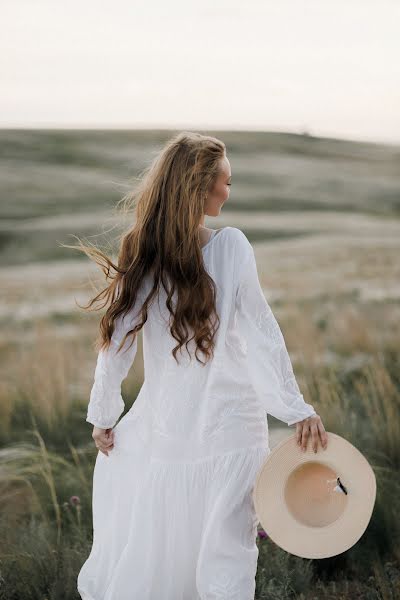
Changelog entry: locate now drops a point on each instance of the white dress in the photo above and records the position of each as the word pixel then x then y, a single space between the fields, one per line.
pixel 173 516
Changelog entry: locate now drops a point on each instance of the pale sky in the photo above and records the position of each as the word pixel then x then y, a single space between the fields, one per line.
pixel 331 67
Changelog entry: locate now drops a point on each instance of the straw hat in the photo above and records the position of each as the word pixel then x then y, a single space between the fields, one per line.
pixel 315 505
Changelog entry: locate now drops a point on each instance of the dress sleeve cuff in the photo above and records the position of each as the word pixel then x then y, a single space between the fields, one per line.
pixel 308 412
pixel 104 411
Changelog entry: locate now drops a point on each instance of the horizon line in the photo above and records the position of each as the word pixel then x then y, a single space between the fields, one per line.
pixel 104 127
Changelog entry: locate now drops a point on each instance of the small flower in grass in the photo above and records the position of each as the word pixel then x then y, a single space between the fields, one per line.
pixel 76 502
pixel 262 534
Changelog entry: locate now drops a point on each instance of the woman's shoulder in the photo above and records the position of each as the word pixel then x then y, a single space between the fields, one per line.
pixel 238 239
pixel 237 246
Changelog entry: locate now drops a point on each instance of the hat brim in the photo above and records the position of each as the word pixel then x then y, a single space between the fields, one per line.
pixel 287 531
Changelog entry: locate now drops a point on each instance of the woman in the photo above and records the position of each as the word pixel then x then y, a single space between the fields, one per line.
pixel 173 517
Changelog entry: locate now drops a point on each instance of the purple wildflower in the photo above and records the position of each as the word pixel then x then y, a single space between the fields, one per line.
pixel 262 534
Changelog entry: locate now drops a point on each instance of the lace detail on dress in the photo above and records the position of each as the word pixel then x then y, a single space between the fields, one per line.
pixel 267 323
pixel 225 588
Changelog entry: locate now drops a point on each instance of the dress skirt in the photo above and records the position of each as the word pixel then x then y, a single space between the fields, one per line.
pixel 172 530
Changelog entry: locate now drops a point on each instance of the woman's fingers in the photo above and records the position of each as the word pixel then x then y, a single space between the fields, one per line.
pixel 299 427
pixel 314 436
pixel 304 436
pixel 302 432
pixel 312 426
pixel 322 434
pixel 103 439
pixel 299 431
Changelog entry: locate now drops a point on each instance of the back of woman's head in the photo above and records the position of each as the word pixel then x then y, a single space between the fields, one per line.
pixel 167 206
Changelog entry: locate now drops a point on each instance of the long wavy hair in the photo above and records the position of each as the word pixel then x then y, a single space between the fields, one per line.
pixel 167 205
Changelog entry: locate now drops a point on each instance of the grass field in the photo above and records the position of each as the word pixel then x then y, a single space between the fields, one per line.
pixel 323 217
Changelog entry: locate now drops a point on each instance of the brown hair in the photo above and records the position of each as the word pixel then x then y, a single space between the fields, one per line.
pixel 168 204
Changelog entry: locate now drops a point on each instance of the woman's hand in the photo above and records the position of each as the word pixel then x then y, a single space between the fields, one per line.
pixel 103 439
pixel 314 426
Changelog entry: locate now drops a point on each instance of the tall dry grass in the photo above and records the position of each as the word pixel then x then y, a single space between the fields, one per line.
pixel 346 366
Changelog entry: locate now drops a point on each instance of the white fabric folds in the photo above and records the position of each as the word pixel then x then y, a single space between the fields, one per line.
pixel 106 403
pixel 268 360
pixel 173 531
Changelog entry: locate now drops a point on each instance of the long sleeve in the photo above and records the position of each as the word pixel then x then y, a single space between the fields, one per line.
pixel 269 364
pixel 106 403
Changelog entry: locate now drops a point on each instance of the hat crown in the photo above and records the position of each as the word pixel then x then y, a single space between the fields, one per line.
pixel 311 497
